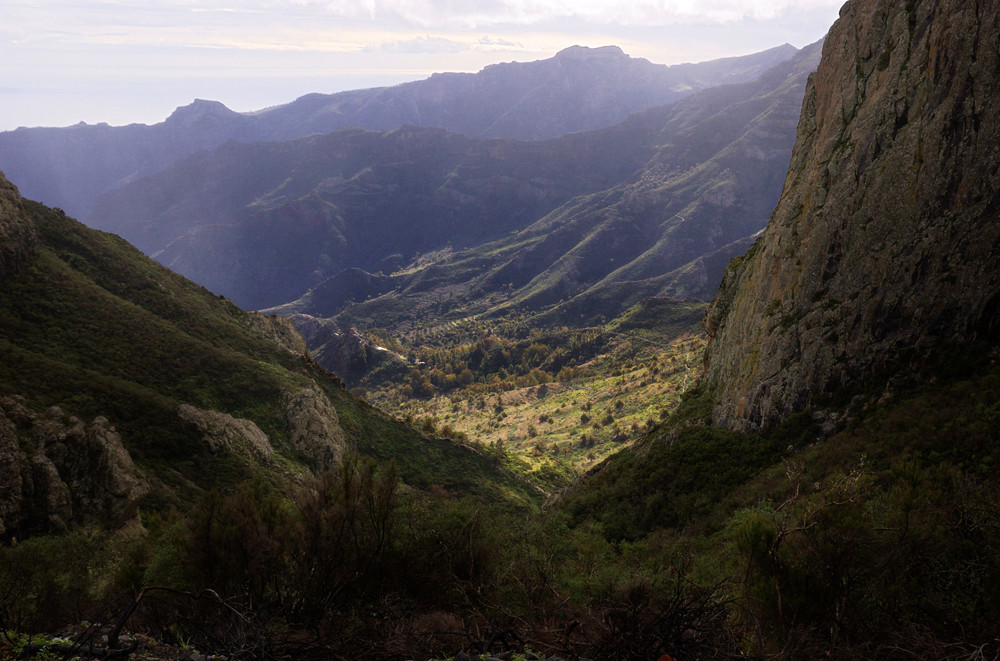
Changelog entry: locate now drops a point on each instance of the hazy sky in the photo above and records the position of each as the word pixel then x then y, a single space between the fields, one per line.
pixel 122 61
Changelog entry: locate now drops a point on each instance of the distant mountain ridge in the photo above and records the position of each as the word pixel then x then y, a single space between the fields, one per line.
pixel 714 172
pixel 647 207
pixel 580 88
pixel 260 223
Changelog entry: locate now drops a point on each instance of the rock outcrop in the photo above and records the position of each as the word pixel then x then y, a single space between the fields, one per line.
pixel 279 330
pixel 348 356
pixel 314 428
pixel 17 234
pixel 57 471
pixel 225 433
pixel 314 330
pixel 887 236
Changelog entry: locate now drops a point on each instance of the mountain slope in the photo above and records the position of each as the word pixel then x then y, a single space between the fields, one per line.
pixel 261 223
pixel 886 242
pixel 123 385
pixel 837 465
pixel 579 88
pixel 714 169
pixel 722 155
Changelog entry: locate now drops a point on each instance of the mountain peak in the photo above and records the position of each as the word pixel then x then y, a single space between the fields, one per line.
pixel 585 52
pixel 198 109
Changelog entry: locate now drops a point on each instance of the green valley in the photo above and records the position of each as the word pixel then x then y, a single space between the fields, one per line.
pixel 551 405
pixel 544 442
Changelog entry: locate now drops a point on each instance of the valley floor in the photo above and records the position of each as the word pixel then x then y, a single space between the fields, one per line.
pixel 555 430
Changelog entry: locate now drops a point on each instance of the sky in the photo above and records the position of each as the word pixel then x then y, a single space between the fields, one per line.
pixel 125 61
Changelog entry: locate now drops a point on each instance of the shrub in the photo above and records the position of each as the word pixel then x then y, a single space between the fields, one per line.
pixel 46 582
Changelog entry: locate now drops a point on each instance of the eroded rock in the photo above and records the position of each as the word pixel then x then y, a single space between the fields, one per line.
pixel 225 433
pixel 17 232
pixel 278 329
pixel 314 428
pixel 57 472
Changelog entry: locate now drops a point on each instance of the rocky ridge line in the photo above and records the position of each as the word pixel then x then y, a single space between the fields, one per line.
pixel 279 330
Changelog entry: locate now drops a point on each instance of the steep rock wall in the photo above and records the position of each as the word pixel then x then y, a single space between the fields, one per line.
pixel 314 428
pixel 887 234
pixel 17 234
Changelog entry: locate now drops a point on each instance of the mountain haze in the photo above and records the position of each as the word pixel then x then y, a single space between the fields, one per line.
pixel 262 223
pixel 712 167
pixel 579 88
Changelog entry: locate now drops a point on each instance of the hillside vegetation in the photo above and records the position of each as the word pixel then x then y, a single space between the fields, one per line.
pixel 95 328
pixel 828 488
pixel 871 535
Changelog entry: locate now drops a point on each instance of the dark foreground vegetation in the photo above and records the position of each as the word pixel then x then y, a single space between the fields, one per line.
pixel 878 541
pixel 867 527
pixel 354 566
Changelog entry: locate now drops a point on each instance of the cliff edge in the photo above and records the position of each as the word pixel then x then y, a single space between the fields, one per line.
pixel 887 236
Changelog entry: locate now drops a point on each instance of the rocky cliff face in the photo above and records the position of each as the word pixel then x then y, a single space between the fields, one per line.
pixel 314 428
pixel 17 235
pixel 348 354
pixel 56 470
pixel 225 433
pixel 887 235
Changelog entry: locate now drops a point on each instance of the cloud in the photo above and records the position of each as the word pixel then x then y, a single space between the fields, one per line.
pixel 298 24
pixel 426 44
pixel 474 14
pixel 499 43
pixel 423 14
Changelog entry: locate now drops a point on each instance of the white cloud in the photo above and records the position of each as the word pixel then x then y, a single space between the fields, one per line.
pixel 425 44
pixel 471 14
pixel 236 21
pixel 499 43
pixel 62 56
pixel 475 14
